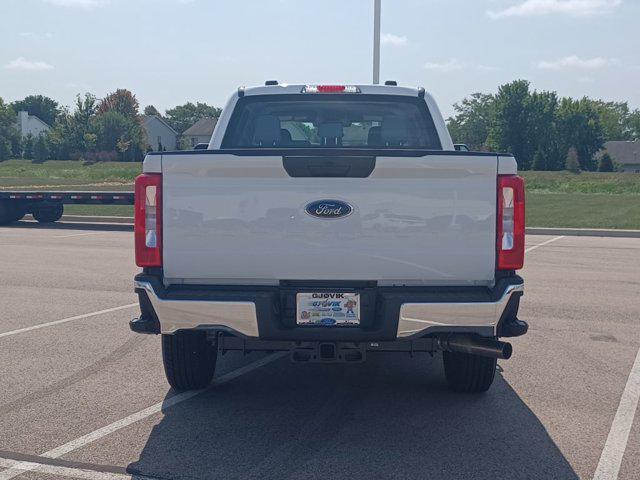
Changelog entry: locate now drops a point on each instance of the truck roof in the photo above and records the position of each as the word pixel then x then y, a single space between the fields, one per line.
pixel 364 89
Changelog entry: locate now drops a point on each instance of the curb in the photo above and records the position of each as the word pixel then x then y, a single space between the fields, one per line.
pixel 96 219
pixel 584 232
pixel 570 232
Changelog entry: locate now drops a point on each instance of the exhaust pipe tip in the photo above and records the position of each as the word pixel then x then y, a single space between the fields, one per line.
pixel 475 345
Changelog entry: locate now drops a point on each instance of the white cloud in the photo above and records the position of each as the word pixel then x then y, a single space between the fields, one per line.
pixel 394 40
pixel 21 63
pixel 455 65
pixel 573 62
pixel 36 35
pixel 445 67
pixel 77 3
pixel 485 68
pixel 575 8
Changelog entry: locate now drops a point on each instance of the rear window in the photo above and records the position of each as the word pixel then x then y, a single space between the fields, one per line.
pixel 325 120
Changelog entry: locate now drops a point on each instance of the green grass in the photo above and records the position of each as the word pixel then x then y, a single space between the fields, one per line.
pixel 584 200
pixel 63 173
pixel 585 182
pixel 100 210
pixel 583 210
pixel 554 199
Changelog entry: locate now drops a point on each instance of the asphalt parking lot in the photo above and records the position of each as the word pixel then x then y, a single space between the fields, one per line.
pixel 83 397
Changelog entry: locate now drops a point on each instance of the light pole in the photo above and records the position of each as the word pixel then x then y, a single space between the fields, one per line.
pixel 376 41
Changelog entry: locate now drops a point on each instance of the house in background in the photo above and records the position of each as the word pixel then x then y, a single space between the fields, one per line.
pixel 200 132
pixel 160 135
pixel 31 125
pixel 626 153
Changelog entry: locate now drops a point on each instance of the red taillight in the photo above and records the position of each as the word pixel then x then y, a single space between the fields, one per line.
pixel 148 220
pixel 510 228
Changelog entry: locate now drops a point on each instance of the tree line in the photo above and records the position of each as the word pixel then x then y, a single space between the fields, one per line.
pixel 107 129
pixel 542 130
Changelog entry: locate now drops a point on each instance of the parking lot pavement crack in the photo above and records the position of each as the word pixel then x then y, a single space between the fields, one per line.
pixel 116 355
pixel 7 456
pixel 325 422
pixel 21 467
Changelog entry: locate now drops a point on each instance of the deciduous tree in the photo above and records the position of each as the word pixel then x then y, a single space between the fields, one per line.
pixel 121 101
pixel 614 119
pixel 539 161
pixel 579 127
pixel 572 164
pixel 151 110
pixel 40 149
pixel 45 108
pixel 8 133
pixel 27 147
pixel 118 125
pixel 184 116
pixel 606 163
pixel 116 132
pixel 472 120
pixel 508 131
pixel 633 123
pixel 67 138
pixel 5 149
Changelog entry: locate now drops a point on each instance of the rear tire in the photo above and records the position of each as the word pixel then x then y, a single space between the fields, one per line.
pixel 466 373
pixel 48 213
pixel 189 360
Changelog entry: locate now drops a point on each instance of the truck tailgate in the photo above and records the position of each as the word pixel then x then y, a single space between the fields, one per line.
pixel 235 219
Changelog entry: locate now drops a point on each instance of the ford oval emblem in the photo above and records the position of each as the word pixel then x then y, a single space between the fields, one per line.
pixel 328 209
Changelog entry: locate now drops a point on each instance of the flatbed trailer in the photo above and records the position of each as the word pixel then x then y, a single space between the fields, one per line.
pixel 48 206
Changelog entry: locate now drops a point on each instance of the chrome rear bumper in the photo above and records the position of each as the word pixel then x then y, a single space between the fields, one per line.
pixel 416 318
pixel 260 313
pixel 175 315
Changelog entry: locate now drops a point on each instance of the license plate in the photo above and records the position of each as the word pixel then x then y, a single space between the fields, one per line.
pixel 328 309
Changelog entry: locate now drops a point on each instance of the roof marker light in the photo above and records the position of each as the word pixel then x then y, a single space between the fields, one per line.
pixel 330 89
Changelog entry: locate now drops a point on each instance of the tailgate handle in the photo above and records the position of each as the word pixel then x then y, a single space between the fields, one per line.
pixel 329 167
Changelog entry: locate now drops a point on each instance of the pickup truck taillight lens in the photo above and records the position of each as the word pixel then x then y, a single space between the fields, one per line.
pixel 510 228
pixel 148 220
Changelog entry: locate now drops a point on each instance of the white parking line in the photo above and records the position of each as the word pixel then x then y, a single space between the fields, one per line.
pixel 543 244
pixel 65 320
pixel 69 472
pixel 91 437
pixel 616 444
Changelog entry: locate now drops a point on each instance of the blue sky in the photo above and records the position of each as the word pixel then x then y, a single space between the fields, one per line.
pixel 172 51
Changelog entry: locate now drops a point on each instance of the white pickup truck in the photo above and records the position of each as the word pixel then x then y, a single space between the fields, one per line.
pixel 330 222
